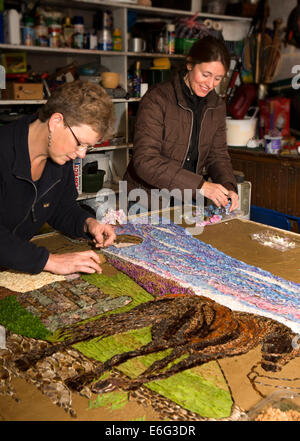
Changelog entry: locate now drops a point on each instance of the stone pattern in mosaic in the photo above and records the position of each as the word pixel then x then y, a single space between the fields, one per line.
pixel 63 303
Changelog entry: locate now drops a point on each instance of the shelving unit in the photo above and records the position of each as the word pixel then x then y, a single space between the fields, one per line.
pixel 49 58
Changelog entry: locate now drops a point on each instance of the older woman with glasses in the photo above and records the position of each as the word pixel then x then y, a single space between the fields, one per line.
pixel 37 181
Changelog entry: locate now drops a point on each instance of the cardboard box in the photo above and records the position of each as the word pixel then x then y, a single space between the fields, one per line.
pixel 274 114
pixel 77 167
pixel 23 91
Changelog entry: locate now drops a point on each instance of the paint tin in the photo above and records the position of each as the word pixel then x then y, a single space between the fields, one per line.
pixel 273 144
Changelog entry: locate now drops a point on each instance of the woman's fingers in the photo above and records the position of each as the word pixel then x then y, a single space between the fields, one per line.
pixel 216 192
pixel 68 263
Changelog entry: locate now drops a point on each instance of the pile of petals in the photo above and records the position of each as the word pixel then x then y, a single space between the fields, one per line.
pixel 114 217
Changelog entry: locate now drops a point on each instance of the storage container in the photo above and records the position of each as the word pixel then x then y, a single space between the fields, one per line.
pixel 92 183
pixel 23 91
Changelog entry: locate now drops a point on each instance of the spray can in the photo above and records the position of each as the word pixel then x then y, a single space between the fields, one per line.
pixel 170 39
pixel 105 40
pixel 78 37
pixel 28 31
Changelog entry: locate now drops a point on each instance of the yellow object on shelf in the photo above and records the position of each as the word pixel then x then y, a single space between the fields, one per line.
pixel 159 68
pixel 162 63
pixel 15 62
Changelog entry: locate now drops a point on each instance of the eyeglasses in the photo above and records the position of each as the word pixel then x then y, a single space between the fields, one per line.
pixel 80 147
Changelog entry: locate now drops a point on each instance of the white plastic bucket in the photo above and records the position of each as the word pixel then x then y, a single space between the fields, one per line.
pixel 240 131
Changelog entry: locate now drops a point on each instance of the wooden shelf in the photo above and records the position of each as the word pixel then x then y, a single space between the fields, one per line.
pixel 106 186
pixel 151 10
pixel 69 50
pixel 40 102
pixel 58 50
pixel 112 147
pixel 21 102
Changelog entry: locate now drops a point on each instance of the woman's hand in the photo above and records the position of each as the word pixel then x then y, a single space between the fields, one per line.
pixel 83 261
pixel 216 192
pixel 234 200
pixel 103 234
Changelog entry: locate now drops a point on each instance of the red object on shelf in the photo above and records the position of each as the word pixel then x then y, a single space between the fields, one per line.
pixel 243 98
pixel 103 144
pixel 20 77
pixel 274 113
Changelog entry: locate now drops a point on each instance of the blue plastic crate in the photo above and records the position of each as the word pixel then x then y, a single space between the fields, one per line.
pixel 270 217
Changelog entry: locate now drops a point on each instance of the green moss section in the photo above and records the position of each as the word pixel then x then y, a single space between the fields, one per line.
pixel 18 320
pixel 113 400
pixel 119 285
pixel 202 391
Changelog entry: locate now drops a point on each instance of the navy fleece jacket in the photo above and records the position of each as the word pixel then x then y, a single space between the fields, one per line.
pixel 26 205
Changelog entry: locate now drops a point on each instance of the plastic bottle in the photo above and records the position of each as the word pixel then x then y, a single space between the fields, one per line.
pixel 170 39
pixel 137 80
pixel 107 20
pixel 93 40
pixel 160 45
pixel 78 37
pixel 12 33
pixel 117 40
pixel 68 32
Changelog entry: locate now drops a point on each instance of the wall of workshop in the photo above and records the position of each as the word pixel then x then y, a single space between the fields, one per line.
pixel 281 8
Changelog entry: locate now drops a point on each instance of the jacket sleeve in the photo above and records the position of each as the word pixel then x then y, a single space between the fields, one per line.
pixel 149 163
pixel 21 255
pixel 18 253
pixel 68 217
pixel 218 162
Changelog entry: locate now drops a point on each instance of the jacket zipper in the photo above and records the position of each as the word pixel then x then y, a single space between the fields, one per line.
pixel 187 150
pixel 188 146
pixel 208 108
pixel 34 202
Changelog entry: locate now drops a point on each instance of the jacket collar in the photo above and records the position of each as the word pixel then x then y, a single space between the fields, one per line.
pixel 22 165
pixel 212 100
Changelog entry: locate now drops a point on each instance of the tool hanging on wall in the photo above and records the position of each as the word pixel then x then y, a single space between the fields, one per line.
pixel 261 51
pixel 272 54
pixel 232 82
pixel 256 40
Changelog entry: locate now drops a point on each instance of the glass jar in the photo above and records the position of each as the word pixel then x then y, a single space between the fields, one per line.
pixel 68 32
pixel 55 35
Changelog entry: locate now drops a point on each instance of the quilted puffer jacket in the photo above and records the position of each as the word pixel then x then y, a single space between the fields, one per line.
pixel 161 142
